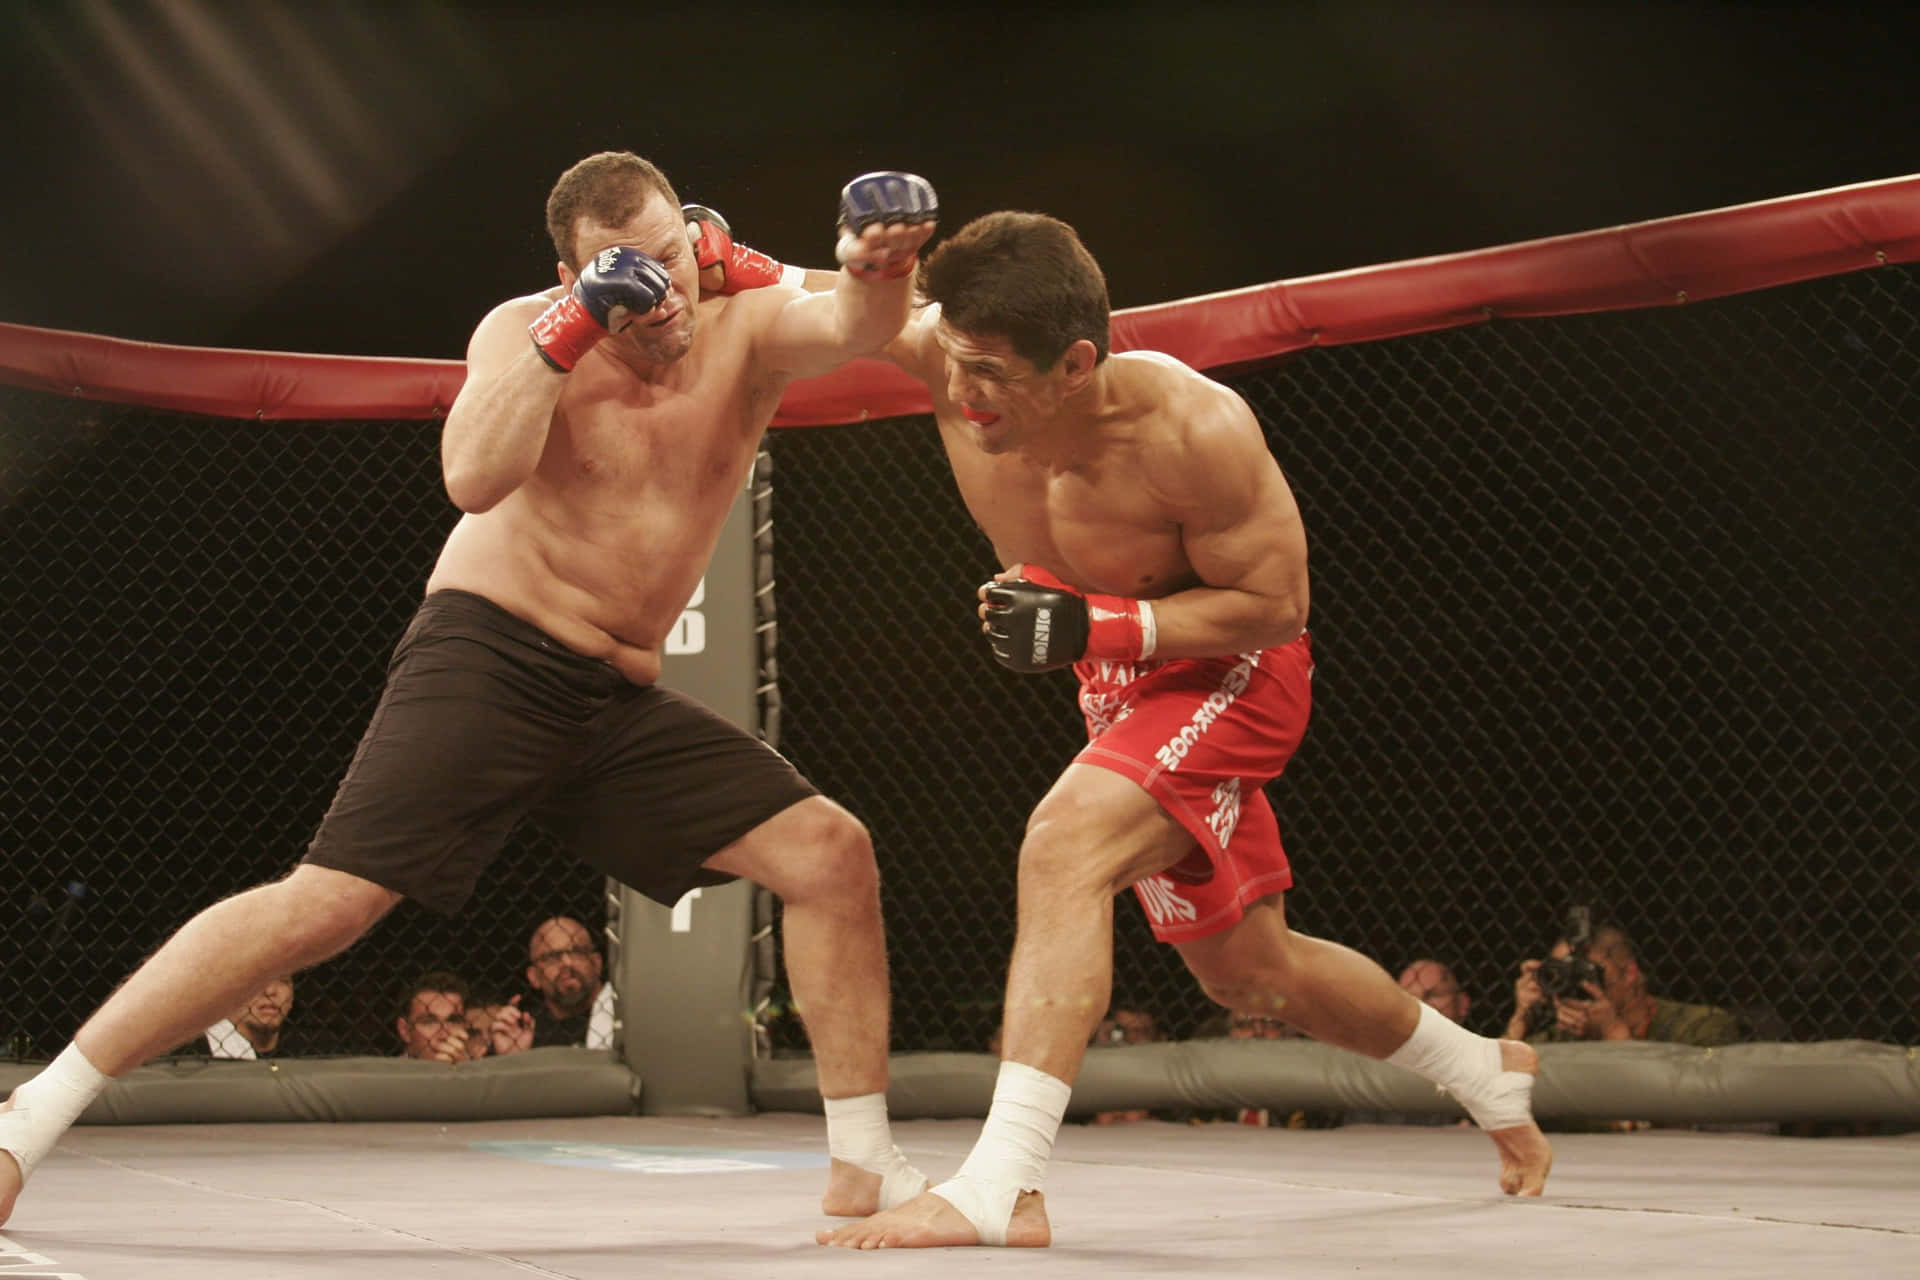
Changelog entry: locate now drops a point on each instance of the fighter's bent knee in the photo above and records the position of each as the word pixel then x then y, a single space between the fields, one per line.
pixel 1062 854
pixel 813 848
pixel 842 850
pixel 333 908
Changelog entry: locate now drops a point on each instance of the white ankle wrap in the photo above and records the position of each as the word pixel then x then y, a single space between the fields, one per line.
pixel 1505 1102
pixel 858 1133
pixel 1468 1067
pixel 46 1107
pixel 987 1205
pixel 1012 1152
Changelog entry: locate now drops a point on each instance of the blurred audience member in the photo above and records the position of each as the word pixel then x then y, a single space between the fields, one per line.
pixel 1430 982
pixel 257 1029
pixel 479 1019
pixel 1124 1026
pixel 498 1028
pixel 1255 1026
pixel 1433 983
pixel 576 1005
pixel 433 1018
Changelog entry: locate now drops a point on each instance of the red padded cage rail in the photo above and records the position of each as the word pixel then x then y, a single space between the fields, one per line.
pixel 1666 262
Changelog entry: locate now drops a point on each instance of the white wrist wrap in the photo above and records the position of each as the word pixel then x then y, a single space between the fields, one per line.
pixel 1012 1152
pixel 794 276
pixel 1468 1067
pixel 1149 636
pixel 858 1133
pixel 46 1107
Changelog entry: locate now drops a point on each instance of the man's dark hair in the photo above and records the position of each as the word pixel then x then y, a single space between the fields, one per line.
pixel 434 980
pixel 1024 277
pixel 609 187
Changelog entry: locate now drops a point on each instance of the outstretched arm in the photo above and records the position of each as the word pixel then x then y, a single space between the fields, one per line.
pixel 728 266
pixel 884 219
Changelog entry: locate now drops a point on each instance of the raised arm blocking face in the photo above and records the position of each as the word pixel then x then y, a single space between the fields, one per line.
pixel 658 230
pixel 497 428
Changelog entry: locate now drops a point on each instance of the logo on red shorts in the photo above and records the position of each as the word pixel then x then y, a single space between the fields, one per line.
pixel 1163 903
pixel 1226 811
pixel 1216 704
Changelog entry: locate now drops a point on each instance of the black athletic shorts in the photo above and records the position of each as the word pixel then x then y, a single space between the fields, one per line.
pixel 486 720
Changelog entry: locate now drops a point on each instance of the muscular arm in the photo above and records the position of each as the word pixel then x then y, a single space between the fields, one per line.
pixel 1241 531
pixel 912 348
pixel 814 332
pixel 497 427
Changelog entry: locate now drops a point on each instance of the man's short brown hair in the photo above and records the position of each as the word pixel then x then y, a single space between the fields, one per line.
pixel 609 187
pixel 439 980
pixel 1024 277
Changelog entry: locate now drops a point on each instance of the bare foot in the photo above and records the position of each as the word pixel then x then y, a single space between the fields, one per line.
pixel 1525 1153
pixel 928 1222
pixel 11 1179
pixel 852 1192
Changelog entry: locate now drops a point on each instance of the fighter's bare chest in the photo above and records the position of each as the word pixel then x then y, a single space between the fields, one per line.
pixel 1102 527
pixel 628 438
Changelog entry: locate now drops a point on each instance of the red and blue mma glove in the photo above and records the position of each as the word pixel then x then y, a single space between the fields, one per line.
pixel 886 197
pixel 1038 623
pixel 741 268
pixel 617 277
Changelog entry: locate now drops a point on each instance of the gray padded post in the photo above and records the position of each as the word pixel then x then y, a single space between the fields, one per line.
pixel 682 973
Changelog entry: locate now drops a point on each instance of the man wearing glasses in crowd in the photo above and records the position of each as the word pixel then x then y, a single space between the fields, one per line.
pixel 576 1004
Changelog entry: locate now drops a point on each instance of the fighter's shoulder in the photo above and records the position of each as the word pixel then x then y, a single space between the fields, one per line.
pixel 1192 410
pixel 767 298
pixel 913 348
pixel 521 310
pixel 507 323
pixel 755 310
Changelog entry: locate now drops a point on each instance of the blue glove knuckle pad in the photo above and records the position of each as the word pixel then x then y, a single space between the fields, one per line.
pixel 887 197
pixel 621 277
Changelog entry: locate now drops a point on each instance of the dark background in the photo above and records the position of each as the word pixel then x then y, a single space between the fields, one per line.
pixel 369 178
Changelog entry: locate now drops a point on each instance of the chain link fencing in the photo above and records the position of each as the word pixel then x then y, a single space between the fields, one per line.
pixel 1614 610
pixel 197 615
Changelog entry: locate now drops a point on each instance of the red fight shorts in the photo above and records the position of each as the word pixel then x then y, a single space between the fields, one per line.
pixel 1203 736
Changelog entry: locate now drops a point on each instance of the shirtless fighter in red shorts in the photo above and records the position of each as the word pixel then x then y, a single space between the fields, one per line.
pixel 1151 542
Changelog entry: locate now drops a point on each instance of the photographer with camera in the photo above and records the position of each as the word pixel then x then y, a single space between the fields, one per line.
pixel 1598 992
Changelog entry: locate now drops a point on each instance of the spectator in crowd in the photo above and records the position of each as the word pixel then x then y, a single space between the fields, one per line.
pixel 1230 1025
pixel 1433 983
pixel 1124 1025
pixel 1618 1008
pixel 257 1029
pixel 1254 1026
pixel 1257 1026
pixel 497 1028
pixel 479 1032
pixel 433 1018
pixel 576 1006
